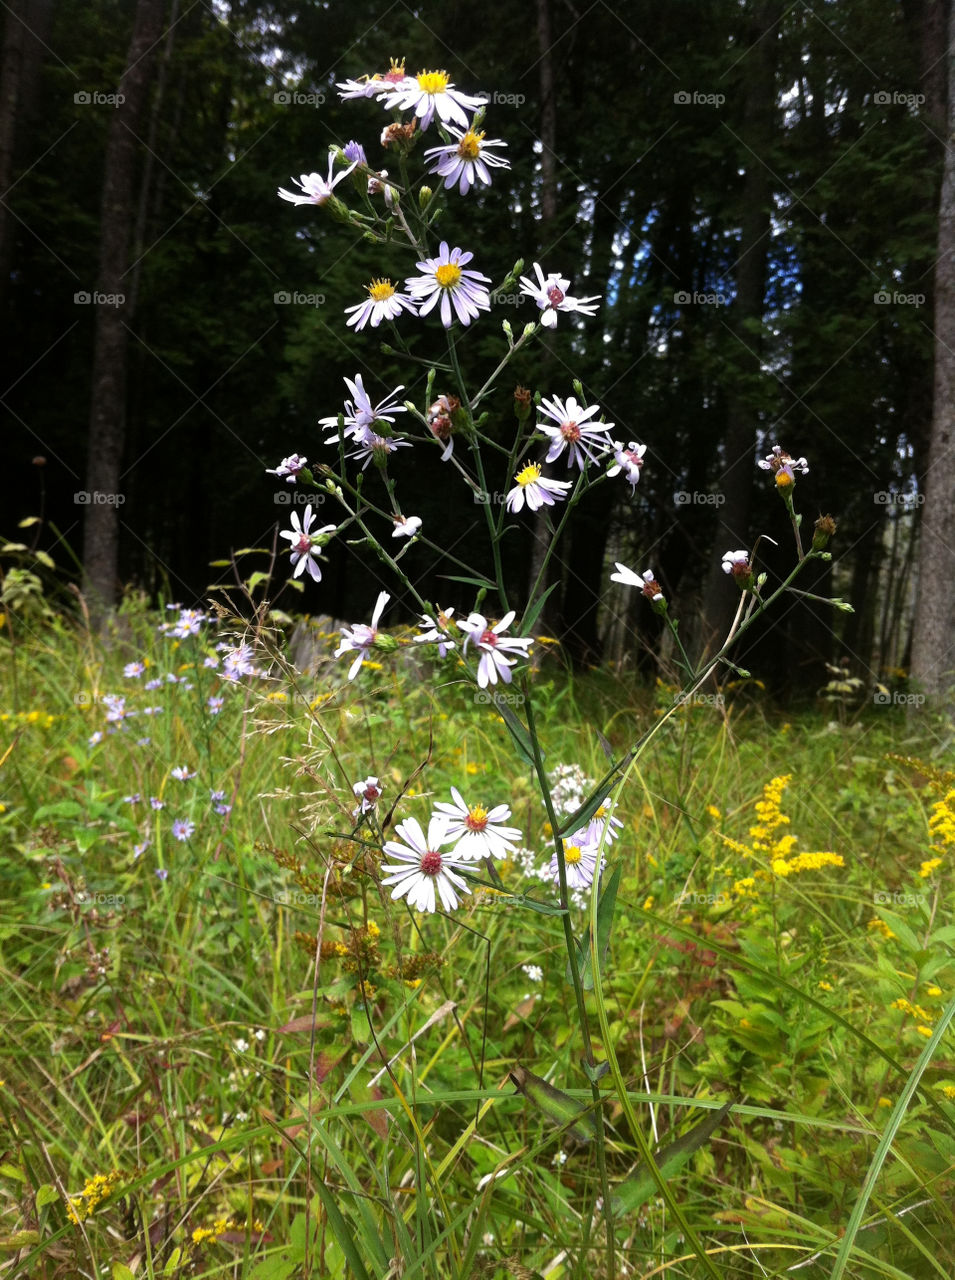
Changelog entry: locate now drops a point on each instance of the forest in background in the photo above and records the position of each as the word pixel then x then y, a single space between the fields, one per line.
pixel 752 188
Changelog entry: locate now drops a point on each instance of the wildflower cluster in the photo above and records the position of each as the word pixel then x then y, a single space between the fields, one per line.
pixel 173 804
pixel 98 1189
pixel 772 848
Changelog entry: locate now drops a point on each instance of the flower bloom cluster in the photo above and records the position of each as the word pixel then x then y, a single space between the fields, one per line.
pixel 773 848
pixel 426 870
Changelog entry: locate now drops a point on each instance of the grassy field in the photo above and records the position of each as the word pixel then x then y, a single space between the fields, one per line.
pixel 229 1052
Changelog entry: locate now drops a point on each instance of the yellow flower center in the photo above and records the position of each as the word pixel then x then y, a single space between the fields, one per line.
pixel 530 475
pixel 469 148
pixel 432 81
pixel 476 819
pixel 448 275
pixel 783 479
pixel 380 290
pixel 571 853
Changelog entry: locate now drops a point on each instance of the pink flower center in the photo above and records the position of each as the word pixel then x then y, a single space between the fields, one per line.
pixel 570 431
pixel 554 296
pixel 634 458
pixel 371 794
pixel 304 544
pixel 488 637
pixel 431 863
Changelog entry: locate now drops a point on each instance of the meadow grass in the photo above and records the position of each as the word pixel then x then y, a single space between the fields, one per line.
pixel 233 1054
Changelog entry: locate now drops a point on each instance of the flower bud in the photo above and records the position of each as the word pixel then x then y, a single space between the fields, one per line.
pixel 823 530
pixel 522 403
pixel 385 643
pixel 424 196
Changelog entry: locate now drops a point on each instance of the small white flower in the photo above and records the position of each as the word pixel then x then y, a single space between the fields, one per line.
pixel 572 431
pixel 361 637
pixel 436 632
pixel 780 460
pixel 494 647
pixel 444 278
pixel 305 544
pixel 182 773
pixel 466 161
pixel 580 860
pixel 374 448
pixel 534 972
pixel 241 1046
pixel 534 490
pixel 423 867
pixel 478 831
pixel 315 188
pixel 629 461
pixel 737 563
pixel 383 303
pixel 288 468
pixel 550 294
pixel 406 526
pixel 368 792
pixel 360 414
pixel 376 85
pixel 429 93
pixel 645 581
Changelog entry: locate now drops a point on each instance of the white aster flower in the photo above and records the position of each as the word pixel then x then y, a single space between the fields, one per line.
pixel 437 628
pixel 735 561
pixel 369 793
pixel 376 85
pixel 629 461
pixel 423 867
pixel 593 834
pixel 315 188
pixel 780 458
pixel 305 544
pixel 477 830
pixel 362 637
pixel 383 303
pixel 431 92
pixel 645 581
pixel 494 647
pixel 534 972
pixel 444 278
pixel 288 468
pixel 375 448
pixel 550 294
pixel 580 860
pixel 534 490
pixel 360 414
pixel 466 161
pixel 572 431
pixel 406 526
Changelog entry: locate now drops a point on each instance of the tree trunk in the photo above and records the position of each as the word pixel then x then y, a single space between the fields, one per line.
pixel 736 482
pixel 108 393
pixel 933 641
pixel 25 34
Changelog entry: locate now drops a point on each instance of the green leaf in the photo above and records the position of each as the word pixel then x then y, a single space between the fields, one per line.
pixel 28 522
pixel 605 909
pixel 47 561
pixel 46 1194
pixel 560 1108
pixel 530 618
pixel 121 1272
pixel 641 1185
pixel 471 582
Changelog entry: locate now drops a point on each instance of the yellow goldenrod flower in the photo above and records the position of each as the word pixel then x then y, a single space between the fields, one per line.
pixel 648 902
pixel 825 986
pixel 949 1091
pixel 885 1102
pixel 712 810
pixel 928 867
pixel 924 1031
pixel 879 926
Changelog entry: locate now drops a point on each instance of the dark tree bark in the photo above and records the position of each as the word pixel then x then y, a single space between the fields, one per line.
pixel 25 33
pixel 933 640
pixel 108 392
pixel 736 481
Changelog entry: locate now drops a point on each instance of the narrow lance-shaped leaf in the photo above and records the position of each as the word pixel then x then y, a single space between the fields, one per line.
pixel 641 1184
pixel 560 1108
pixel 605 907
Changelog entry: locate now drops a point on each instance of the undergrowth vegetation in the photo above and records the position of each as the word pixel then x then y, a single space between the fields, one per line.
pixel 229 1052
